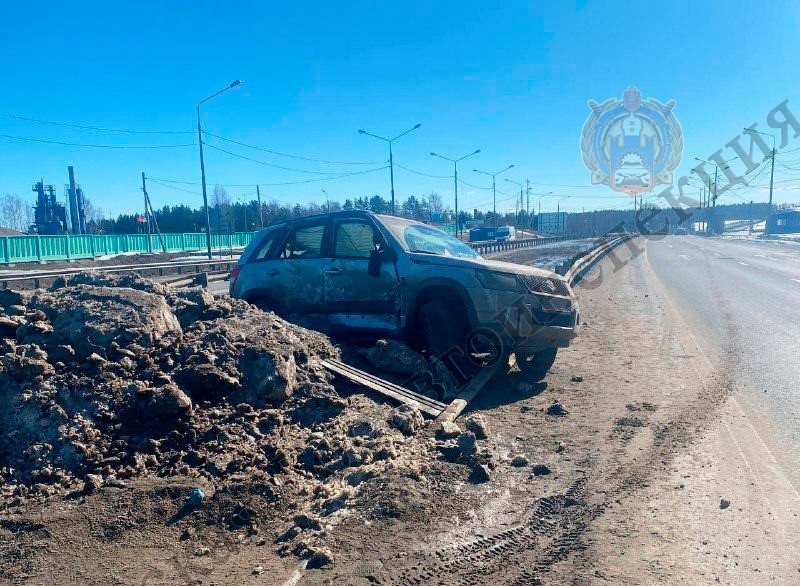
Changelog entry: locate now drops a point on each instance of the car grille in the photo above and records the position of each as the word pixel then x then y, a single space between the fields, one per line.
pixel 545 285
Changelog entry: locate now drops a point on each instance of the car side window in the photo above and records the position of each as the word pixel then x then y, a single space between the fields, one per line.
pixel 304 242
pixel 266 245
pixel 355 239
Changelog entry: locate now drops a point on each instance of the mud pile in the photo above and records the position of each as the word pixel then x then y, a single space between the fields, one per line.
pixel 104 379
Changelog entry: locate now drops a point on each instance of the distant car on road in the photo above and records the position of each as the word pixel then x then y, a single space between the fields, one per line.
pixel 681 231
pixel 504 233
pixel 360 272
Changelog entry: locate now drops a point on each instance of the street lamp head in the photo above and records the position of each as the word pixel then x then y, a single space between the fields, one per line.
pixel 434 155
pixel 362 131
pixel 417 126
pixel 476 152
pixel 235 83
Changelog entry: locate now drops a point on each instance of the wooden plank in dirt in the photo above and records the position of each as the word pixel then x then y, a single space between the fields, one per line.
pixel 396 392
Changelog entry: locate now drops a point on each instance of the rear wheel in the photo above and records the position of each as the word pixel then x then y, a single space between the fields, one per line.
pixel 267 304
pixel 536 364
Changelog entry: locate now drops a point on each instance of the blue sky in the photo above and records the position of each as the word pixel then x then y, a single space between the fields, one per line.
pixel 510 78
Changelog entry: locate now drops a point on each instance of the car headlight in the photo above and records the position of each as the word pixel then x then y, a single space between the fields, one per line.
pixel 548 285
pixel 499 281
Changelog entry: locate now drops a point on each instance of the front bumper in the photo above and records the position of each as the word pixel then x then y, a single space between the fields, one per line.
pixel 533 322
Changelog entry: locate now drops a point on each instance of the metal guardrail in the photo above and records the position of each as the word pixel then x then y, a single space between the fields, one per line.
pixel 584 261
pixel 158 268
pixel 490 246
pixel 42 248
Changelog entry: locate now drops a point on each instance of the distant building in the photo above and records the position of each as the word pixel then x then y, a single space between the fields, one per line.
pixel 784 222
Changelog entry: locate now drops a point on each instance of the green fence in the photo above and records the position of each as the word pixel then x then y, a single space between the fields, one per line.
pixel 35 248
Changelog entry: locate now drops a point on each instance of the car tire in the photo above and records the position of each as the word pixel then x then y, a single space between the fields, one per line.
pixel 267 304
pixel 536 364
pixel 440 331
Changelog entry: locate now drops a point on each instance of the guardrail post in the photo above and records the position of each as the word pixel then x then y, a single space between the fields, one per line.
pixel 38 249
pixel 183 242
pixel 6 250
pixel 67 243
pixel 127 244
pixel 91 246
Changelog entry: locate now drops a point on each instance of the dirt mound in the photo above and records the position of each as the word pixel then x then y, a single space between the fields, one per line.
pixel 105 379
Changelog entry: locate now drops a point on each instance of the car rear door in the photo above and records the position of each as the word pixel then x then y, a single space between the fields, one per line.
pixel 294 275
pixel 353 297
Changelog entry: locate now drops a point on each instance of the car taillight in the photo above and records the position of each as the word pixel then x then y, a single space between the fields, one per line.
pixel 233 276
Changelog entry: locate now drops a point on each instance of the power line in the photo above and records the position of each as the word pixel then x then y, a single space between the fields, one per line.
pixel 97 128
pixel 272 152
pixel 97 146
pixel 216 148
pixel 165 182
pixel 423 174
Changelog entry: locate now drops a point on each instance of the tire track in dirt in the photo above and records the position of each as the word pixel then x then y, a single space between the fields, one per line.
pixel 519 555
pixel 557 528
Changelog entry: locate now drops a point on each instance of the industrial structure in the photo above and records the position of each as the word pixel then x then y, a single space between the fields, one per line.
pixel 51 217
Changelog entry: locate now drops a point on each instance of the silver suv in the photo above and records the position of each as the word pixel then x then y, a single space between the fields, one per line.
pixel 357 271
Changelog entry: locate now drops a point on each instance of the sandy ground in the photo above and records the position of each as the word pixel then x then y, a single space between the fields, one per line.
pixel 652 442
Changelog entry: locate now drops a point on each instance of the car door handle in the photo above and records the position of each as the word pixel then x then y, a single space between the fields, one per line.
pixel 273 272
pixel 333 271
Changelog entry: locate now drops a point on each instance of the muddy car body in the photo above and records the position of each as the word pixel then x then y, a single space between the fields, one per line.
pixel 357 271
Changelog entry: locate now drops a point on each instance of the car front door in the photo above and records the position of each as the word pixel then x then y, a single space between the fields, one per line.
pixel 295 274
pixel 355 298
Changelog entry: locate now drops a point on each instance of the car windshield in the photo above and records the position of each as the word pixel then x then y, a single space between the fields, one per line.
pixel 421 238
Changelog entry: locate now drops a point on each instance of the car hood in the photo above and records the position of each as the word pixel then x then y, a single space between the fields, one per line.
pixel 482 263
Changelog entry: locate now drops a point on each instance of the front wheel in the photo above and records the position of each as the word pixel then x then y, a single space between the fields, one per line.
pixel 536 364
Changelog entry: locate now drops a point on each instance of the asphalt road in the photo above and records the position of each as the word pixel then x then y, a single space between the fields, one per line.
pixel 741 300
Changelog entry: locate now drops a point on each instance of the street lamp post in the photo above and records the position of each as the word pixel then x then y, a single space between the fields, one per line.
pixel 521 189
pixel 716 177
pixel 494 188
pixel 771 175
pixel 233 84
pixel 327 201
pixel 455 180
pixel 538 219
pixel 558 203
pixel 391 158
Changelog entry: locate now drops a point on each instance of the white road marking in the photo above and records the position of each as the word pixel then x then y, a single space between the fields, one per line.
pixel 684 257
pixel 718 254
pixel 796 280
pixel 670 245
pixel 744 264
pixel 767 257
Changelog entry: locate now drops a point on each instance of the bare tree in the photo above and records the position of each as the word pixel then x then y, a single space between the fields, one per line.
pixel 15 212
pixel 435 204
pixel 221 202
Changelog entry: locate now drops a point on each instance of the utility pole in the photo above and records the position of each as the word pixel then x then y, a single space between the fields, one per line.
pixel 750 228
pixel 391 156
pixel 260 209
pixel 455 182
pixel 771 181
pixel 233 84
pixel 528 206
pixel 147 216
pixel 771 176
